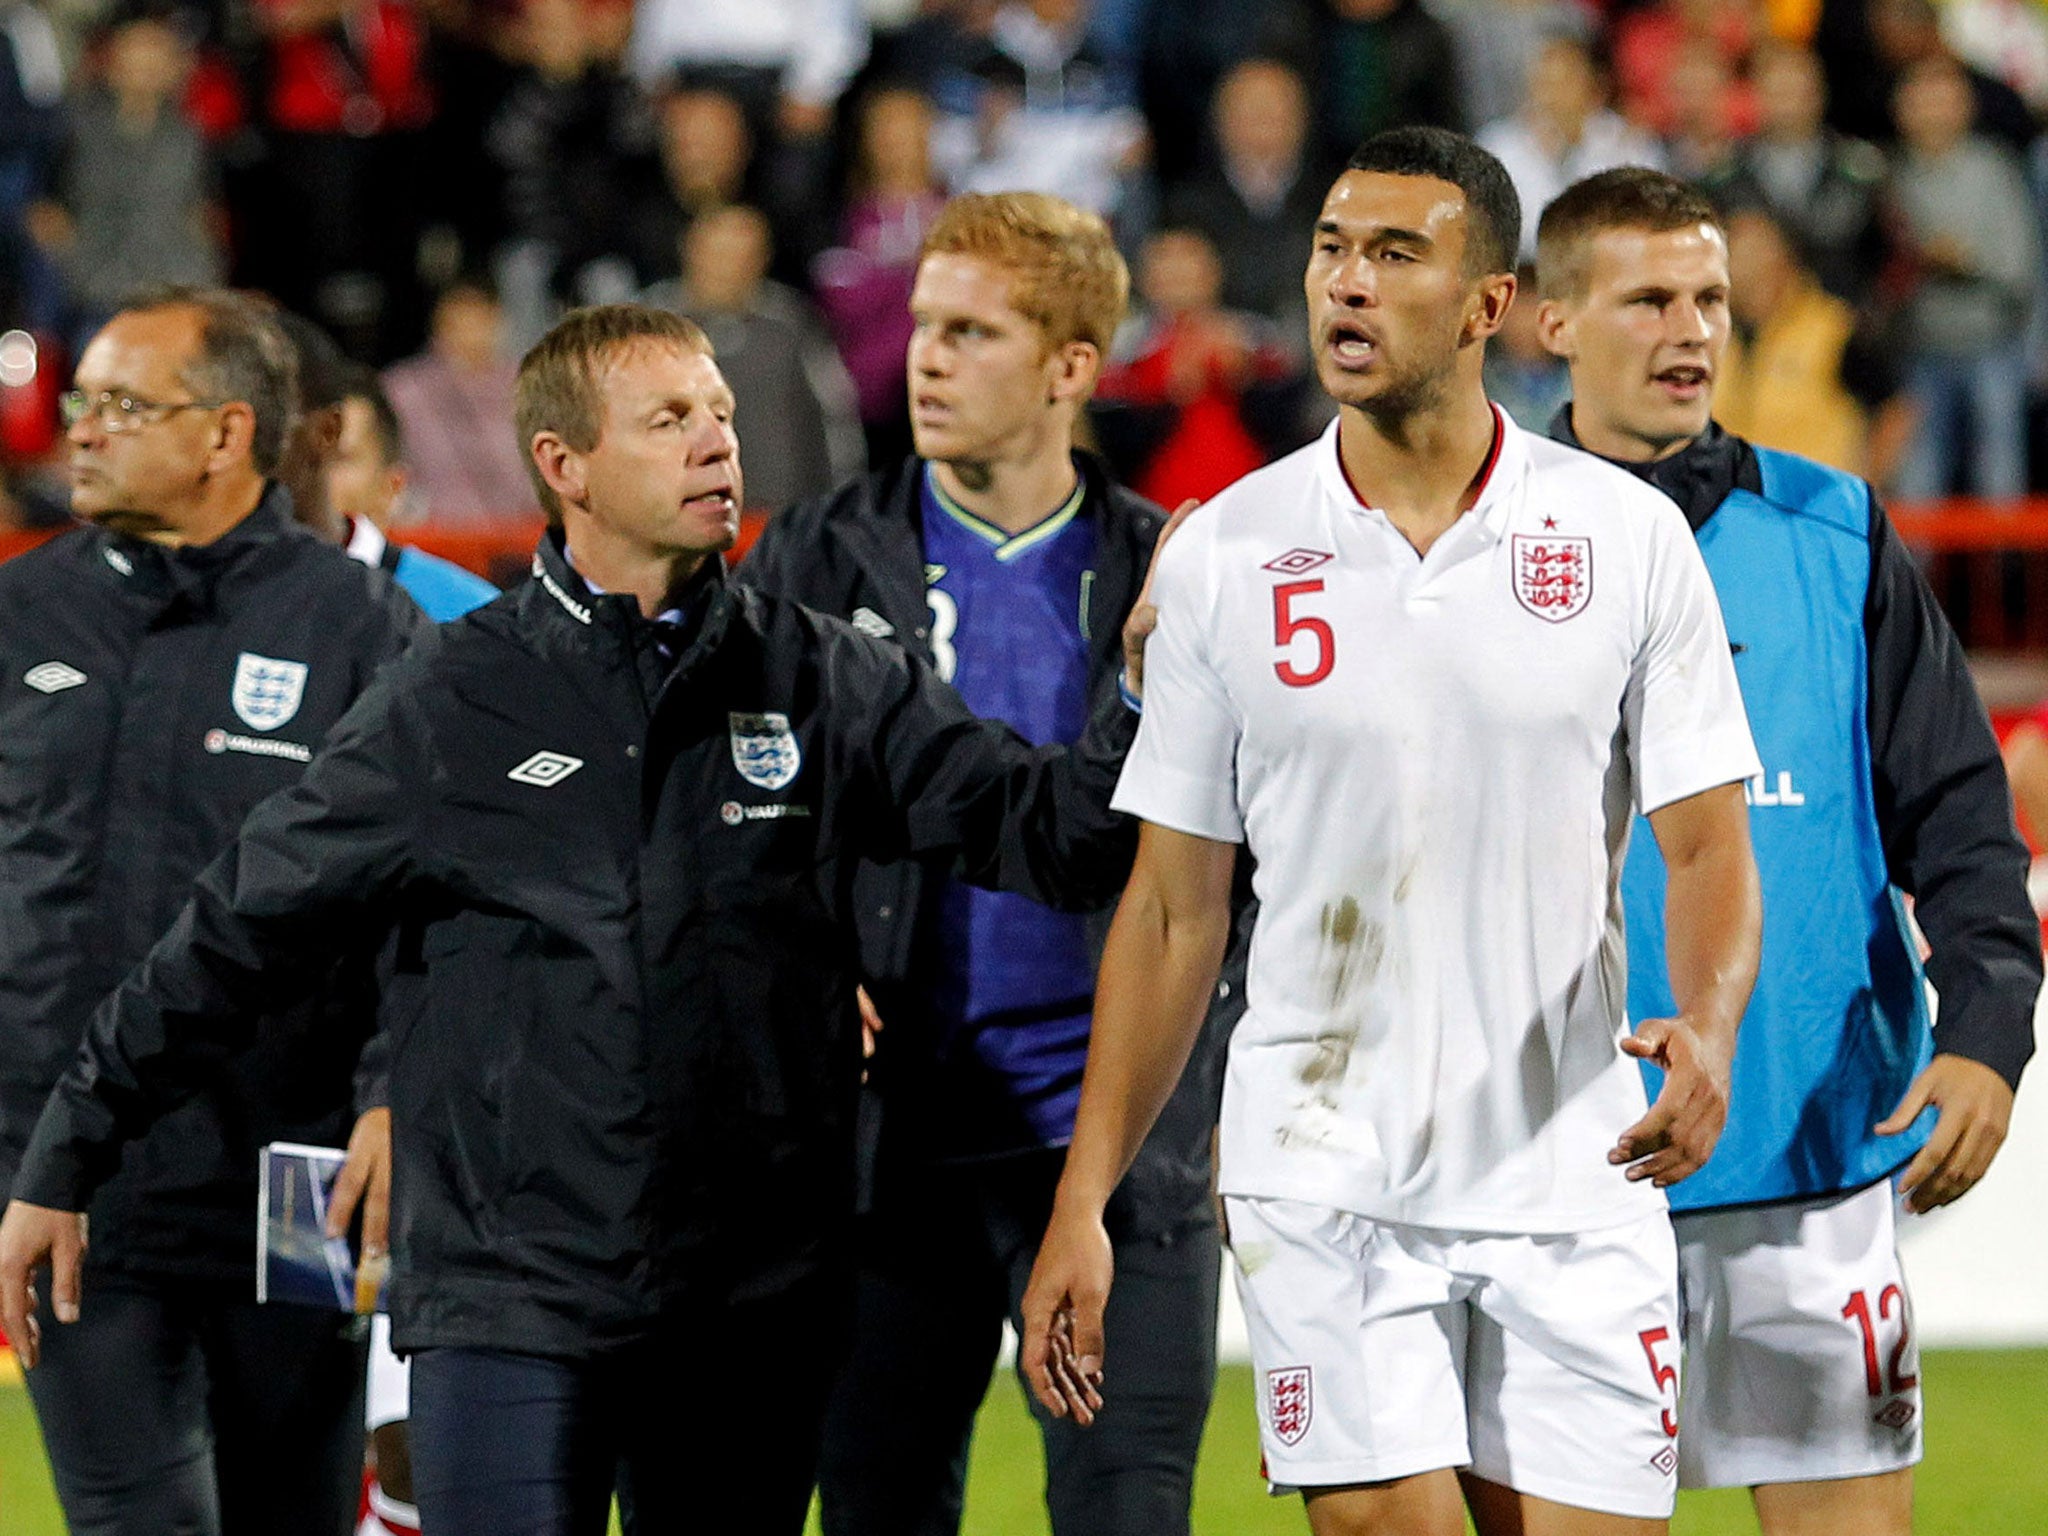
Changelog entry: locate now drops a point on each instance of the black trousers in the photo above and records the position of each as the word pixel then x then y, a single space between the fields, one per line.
pixel 713 1429
pixel 942 1266
pixel 168 1410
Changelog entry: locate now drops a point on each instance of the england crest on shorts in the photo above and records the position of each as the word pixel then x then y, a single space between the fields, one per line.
pixel 267 691
pixel 1553 574
pixel 1290 1403
pixel 764 750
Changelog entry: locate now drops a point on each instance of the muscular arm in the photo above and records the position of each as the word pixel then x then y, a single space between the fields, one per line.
pixel 1158 967
pixel 1713 935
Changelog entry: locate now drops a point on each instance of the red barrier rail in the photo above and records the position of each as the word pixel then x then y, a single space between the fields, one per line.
pixel 1999 605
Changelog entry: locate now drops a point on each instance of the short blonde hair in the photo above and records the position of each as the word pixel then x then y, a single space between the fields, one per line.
pixel 559 388
pixel 1070 280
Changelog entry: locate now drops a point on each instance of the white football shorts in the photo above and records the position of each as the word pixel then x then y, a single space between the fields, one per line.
pixel 1800 1360
pixel 1547 1364
pixel 388 1397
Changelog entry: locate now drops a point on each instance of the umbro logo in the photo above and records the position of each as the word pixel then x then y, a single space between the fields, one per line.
pixel 544 770
pixel 1665 1461
pixel 869 622
pixel 1296 561
pixel 52 677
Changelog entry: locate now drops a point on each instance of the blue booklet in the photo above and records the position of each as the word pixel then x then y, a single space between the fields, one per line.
pixel 296 1261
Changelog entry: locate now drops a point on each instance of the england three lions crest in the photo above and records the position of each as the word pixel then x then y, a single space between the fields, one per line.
pixel 1553 574
pixel 1290 1403
pixel 764 750
pixel 267 691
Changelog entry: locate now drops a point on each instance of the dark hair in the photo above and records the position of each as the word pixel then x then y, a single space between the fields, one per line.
pixel 1628 197
pixel 323 370
pixel 559 389
pixel 1494 212
pixel 363 384
pixel 244 356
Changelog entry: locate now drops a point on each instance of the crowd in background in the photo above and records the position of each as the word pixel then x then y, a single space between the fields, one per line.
pixel 434 181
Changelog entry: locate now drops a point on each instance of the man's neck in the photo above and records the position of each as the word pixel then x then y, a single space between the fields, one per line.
pixel 651 577
pixel 1014 495
pixel 1623 447
pixel 212 517
pixel 1422 471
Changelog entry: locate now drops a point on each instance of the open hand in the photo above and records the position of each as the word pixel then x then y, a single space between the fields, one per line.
pixel 1675 1139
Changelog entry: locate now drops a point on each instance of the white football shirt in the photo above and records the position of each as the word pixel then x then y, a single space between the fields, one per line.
pixel 1435 761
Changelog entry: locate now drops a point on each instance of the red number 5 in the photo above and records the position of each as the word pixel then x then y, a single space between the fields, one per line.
pixel 1666 1375
pixel 1286 626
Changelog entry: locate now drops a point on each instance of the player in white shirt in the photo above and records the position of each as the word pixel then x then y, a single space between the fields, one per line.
pixel 1428 668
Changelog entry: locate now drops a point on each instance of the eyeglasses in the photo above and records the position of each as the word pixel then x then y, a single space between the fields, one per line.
pixel 123 413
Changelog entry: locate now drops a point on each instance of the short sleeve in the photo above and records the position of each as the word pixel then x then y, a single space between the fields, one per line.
pixel 1687 731
pixel 1182 769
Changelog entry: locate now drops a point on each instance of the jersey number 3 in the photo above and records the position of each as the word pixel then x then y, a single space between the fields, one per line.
pixel 1286 625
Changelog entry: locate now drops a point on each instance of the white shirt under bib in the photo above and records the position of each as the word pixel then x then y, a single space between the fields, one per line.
pixel 1435 761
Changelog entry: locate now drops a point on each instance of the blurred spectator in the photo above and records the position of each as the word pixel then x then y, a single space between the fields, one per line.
pixel 1378 64
pixel 796 410
pixel 2007 39
pixel 1906 33
pixel 1523 377
pixel 1042 109
pixel 863 284
pixel 1196 395
pixel 575 141
pixel 1962 204
pixel 31 122
pixel 1497 42
pixel 1705 100
pixel 1800 372
pixel 133 207
pixel 1651 44
pixel 1260 195
pixel 337 229
pixel 1824 187
pixel 455 402
pixel 1186 48
pixel 707 152
pixel 1564 131
pixel 787 63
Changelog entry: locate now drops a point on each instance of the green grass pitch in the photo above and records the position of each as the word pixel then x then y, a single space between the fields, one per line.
pixel 1986 1472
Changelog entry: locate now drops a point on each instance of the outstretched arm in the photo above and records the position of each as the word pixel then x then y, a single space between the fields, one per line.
pixel 1158 969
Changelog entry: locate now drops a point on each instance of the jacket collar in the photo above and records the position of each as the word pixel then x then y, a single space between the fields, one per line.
pixel 1699 477
pixel 890 528
pixel 164 574
pixel 567 595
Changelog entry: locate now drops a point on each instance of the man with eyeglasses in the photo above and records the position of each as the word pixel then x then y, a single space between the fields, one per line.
pixel 161 671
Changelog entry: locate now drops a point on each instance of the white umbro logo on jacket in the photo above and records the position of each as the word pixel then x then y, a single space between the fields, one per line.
pixel 544 770
pixel 52 677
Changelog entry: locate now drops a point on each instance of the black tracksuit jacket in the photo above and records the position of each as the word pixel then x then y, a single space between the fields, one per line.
pixel 626 1083
pixel 126 765
pixel 859 553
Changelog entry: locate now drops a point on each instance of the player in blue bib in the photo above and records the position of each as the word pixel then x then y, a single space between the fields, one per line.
pixel 1881 781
